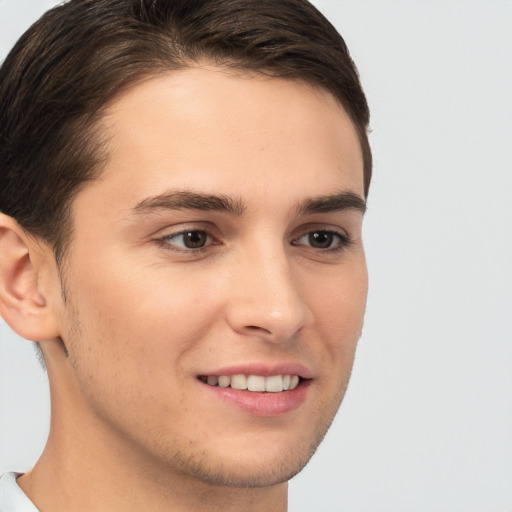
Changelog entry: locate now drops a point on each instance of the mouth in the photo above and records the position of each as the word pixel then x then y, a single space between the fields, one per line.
pixel 258 390
pixel 254 383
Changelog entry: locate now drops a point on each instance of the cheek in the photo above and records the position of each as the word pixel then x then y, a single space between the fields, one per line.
pixel 339 312
pixel 144 320
pixel 128 337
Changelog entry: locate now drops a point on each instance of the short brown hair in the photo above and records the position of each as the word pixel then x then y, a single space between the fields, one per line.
pixel 80 55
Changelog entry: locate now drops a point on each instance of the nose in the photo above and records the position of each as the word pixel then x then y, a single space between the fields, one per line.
pixel 266 299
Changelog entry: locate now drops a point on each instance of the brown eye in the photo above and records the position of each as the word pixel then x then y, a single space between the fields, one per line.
pixel 321 239
pixel 195 239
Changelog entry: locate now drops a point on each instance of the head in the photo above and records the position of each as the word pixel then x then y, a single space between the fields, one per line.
pixel 146 149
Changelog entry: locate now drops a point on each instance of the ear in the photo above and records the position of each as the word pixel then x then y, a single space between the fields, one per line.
pixel 24 303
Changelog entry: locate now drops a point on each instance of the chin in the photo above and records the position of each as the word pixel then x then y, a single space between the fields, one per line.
pixel 246 474
pixel 264 464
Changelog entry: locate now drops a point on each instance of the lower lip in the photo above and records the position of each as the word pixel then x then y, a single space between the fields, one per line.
pixel 263 404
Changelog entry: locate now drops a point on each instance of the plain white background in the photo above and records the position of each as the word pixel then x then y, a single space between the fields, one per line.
pixel 426 425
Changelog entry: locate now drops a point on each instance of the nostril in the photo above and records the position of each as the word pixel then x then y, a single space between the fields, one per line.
pixel 257 328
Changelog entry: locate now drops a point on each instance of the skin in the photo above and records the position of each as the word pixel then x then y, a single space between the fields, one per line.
pixel 132 427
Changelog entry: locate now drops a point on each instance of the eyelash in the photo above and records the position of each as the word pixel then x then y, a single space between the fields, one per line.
pixel 343 241
pixel 166 244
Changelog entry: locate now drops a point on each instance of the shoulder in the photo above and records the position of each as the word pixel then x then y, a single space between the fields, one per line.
pixel 12 498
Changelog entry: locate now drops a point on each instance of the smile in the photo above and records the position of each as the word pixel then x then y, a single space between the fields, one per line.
pixel 256 383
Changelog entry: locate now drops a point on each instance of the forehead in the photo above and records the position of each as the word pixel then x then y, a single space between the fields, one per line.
pixel 228 134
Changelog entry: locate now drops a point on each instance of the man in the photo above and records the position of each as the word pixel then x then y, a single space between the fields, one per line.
pixel 182 190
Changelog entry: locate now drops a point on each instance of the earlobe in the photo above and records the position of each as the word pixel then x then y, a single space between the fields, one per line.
pixel 23 304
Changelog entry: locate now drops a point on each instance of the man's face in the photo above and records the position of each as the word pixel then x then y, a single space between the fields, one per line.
pixel 217 242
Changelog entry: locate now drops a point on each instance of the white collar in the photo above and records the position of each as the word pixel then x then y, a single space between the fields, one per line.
pixel 12 498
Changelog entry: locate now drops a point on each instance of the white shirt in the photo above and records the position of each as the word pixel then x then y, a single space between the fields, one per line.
pixel 12 498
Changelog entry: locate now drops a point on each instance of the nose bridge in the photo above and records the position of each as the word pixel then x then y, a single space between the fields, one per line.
pixel 268 300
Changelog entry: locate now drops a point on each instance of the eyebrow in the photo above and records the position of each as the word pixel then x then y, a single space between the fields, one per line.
pixel 183 199
pixel 187 200
pixel 333 203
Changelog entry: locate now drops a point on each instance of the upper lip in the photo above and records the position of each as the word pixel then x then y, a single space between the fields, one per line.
pixel 262 369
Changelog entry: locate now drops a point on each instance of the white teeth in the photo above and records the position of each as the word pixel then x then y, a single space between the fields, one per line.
pixel 238 382
pixel 257 383
pixel 274 384
pixel 224 381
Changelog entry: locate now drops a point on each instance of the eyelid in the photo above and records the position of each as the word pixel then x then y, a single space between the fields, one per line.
pixel 162 238
pixel 214 238
pixel 344 238
pixel 310 227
